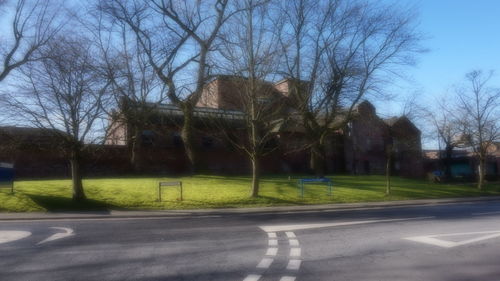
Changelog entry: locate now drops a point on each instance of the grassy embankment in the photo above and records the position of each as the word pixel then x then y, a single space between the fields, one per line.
pixel 221 192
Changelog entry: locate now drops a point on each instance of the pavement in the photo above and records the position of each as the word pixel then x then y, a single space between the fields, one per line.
pixel 254 210
pixel 442 240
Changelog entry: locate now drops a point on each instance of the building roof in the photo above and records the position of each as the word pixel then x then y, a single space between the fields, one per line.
pixel 28 131
pixel 456 153
pixel 391 121
pixel 39 137
pixel 174 110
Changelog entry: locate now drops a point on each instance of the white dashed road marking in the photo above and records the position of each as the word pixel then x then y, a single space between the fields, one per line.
pixel 295 252
pixel 271 234
pixel 252 277
pixel 294 261
pixel 265 263
pixel 293 265
pixel 272 251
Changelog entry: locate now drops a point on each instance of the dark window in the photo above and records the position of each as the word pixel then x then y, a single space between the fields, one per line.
pixel 263 100
pixel 176 140
pixel 147 138
pixel 367 167
pixel 271 144
pixel 207 142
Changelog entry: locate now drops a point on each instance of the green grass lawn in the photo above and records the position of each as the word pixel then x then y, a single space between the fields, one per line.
pixel 221 192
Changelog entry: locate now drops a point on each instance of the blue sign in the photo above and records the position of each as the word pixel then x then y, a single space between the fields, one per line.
pixel 328 182
pixel 7 175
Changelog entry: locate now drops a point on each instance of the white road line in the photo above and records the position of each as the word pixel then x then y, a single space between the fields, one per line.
pixel 432 240
pixel 291 227
pixel 271 251
pixel 486 213
pixel 67 232
pixel 265 263
pixel 295 252
pixel 252 277
pixel 271 234
pixel 287 278
pixel 293 265
pixel 273 242
pixel 12 235
pixel 294 242
pixel 290 234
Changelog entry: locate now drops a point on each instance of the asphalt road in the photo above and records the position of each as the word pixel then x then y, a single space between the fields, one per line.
pixel 443 242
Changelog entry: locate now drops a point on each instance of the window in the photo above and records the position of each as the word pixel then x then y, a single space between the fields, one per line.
pixel 207 142
pixel 263 100
pixel 147 138
pixel 176 140
pixel 349 129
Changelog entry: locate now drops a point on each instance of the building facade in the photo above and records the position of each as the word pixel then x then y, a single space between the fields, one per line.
pixel 359 148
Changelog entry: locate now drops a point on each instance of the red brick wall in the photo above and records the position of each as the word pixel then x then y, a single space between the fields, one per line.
pixel 365 145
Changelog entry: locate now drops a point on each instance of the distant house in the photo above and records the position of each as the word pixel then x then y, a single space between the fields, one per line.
pixel 464 162
pixel 33 151
pixel 493 166
pixel 367 140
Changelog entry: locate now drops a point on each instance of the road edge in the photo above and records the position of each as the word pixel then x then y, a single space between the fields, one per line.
pixel 239 211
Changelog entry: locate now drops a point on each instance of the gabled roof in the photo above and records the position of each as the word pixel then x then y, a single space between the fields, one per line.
pixel 391 121
pixel 394 121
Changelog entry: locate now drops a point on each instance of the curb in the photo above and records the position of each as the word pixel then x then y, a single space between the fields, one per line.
pixel 116 214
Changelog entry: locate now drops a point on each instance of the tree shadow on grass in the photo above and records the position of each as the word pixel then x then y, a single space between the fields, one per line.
pixel 280 201
pixel 59 203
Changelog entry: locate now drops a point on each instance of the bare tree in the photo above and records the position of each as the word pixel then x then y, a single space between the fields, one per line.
pixel 343 50
pixel 177 37
pixel 448 131
pixel 64 92
pixel 402 142
pixel 137 90
pixel 389 151
pixel 33 25
pixel 250 54
pixel 478 110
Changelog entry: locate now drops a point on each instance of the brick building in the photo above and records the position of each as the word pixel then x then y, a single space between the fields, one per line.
pixel 359 148
pixel 33 149
pixel 464 162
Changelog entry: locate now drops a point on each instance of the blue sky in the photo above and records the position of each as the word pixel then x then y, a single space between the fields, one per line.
pixel 462 35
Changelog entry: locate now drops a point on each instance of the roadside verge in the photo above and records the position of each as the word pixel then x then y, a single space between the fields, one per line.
pixel 115 214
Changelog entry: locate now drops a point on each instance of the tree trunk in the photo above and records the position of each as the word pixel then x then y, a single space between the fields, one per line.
pixel 255 176
pixel 135 160
pixel 447 162
pixel 388 169
pixel 76 176
pixel 318 159
pixel 481 172
pixel 187 138
pixel 388 175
